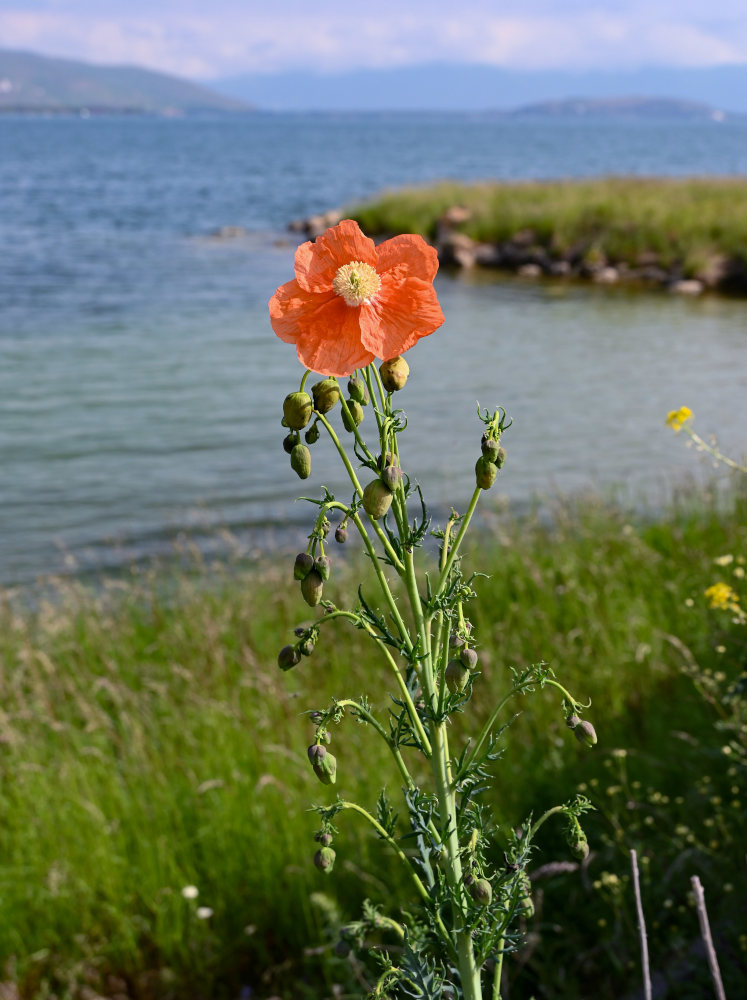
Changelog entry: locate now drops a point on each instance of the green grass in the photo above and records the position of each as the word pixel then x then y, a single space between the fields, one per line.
pixel 149 742
pixel 686 222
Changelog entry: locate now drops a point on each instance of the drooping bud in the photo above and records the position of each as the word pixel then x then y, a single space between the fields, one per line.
pixel 526 903
pixel 290 441
pixel 312 587
pixel 468 657
pixel 306 648
pixel 352 416
pixel 326 394
pixel 325 768
pixel 485 473
pixel 341 534
pixel 391 477
pixel 455 641
pixel 312 434
pixel 500 458
pixel 324 859
pixel 394 374
pixel 325 839
pixel 584 733
pixel 357 390
pixel 389 459
pixel 288 657
pixel 316 753
pixel 322 566
pixel 297 409
pixel 572 721
pixel 481 891
pixel 377 499
pixel 301 461
pixel 490 448
pixel 456 675
pixel 576 839
pixel 303 565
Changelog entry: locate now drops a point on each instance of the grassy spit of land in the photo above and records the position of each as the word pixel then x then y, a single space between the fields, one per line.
pixel 649 230
pixel 149 742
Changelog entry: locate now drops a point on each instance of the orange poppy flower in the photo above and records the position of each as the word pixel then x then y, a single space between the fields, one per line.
pixel 352 301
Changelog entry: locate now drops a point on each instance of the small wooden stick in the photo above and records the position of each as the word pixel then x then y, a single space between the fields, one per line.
pixel 705 930
pixel 641 927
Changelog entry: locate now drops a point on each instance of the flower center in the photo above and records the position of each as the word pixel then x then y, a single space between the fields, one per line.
pixel 356 282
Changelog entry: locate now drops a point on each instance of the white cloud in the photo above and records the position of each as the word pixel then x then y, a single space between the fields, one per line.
pixel 328 37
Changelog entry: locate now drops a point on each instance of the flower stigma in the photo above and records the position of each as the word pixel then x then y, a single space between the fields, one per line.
pixel 356 282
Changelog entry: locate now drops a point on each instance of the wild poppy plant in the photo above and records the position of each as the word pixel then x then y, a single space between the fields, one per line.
pixel 352 302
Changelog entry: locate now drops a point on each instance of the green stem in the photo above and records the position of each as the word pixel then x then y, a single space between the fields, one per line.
pixel 485 731
pixel 303 380
pixel 458 540
pixel 364 714
pixel 383 583
pixel 497 973
pixel 545 816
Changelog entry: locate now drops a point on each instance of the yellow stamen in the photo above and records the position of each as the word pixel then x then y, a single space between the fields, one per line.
pixel 356 282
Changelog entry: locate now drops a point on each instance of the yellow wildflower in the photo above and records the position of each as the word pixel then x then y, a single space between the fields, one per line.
pixel 722 597
pixel 676 418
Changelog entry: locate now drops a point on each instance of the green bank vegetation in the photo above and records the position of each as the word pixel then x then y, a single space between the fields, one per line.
pixel 145 727
pixel 695 227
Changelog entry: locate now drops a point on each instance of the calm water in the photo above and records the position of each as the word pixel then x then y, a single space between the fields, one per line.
pixel 140 383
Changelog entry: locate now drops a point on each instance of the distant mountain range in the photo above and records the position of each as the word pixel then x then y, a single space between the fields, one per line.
pixel 33 83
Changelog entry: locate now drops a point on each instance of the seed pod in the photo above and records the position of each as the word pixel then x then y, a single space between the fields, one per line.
pixel 500 458
pixel 357 390
pixel 303 565
pixel 290 441
pixel 584 733
pixel 468 657
pixel 490 448
pixel 394 374
pixel 322 566
pixel 391 477
pixel 526 903
pixel 326 394
pixel 306 648
pixel 312 434
pixel 456 675
pixel 485 473
pixel 325 768
pixel 316 753
pixel 324 859
pixel 311 588
pixel 377 499
pixel 301 461
pixel 353 416
pixel 341 535
pixel 288 657
pixel 297 409
pixel 482 892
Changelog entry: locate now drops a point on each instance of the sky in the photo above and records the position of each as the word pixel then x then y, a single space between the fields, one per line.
pixel 228 37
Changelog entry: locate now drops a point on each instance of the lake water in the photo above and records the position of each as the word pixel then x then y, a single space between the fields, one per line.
pixel 141 384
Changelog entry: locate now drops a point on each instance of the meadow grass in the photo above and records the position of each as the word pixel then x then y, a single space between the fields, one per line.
pixel 149 742
pixel 686 222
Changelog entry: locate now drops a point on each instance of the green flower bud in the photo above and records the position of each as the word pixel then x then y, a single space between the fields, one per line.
pixel 377 499
pixel 526 903
pixel 576 839
pixel 394 374
pixel 490 448
pixel 468 657
pixel 341 534
pixel 306 648
pixel 324 859
pixel 485 473
pixel 391 477
pixel 301 461
pixel 297 410
pixel 290 441
pixel 500 457
pixel 326 394
pixel 482 892
pixel 311 588
pixel 312 434
pixel 325 768
pixel 316 753
pixel 584 733
pixel 456 675
pixel 322 566
pixel 357 390
pixel 303 565
pixel 353 416
pixel 288 657
pixel 572 721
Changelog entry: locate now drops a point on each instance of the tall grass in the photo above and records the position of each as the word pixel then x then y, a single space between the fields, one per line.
pixel 149 742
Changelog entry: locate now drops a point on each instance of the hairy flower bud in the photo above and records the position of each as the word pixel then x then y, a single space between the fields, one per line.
pixel 352 416
pixel 456 675
pixel 306 648
pixel 576 839
pixel 391 477
pixel 455 641
pixel 500 458
pixel 389 459
pixel 322 566
pixel 325 839
pixel 468 657
pixel 301 461
pixel 341 534
pixel 316 753
pixel 311 588
pixel 325 768
pixel 377 499
pixel 312 434
pixel 485 473
pixel 357 390
pixel 584 733
pixel 572 721
pixel 297 409
pixel 288 657
pixel 303 565
pixel 394 374
pixel 324 859
pixel 490 448
pixel 481 891
pixel 290 441
pixel 326 394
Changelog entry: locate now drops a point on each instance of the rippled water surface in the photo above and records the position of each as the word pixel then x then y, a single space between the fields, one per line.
pixel 140 383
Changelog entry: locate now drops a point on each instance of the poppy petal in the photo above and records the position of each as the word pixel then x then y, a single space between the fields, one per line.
pixel 316 263
pixel 410 253
pixel 331 343
pixel 403 311
pixel 292 309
